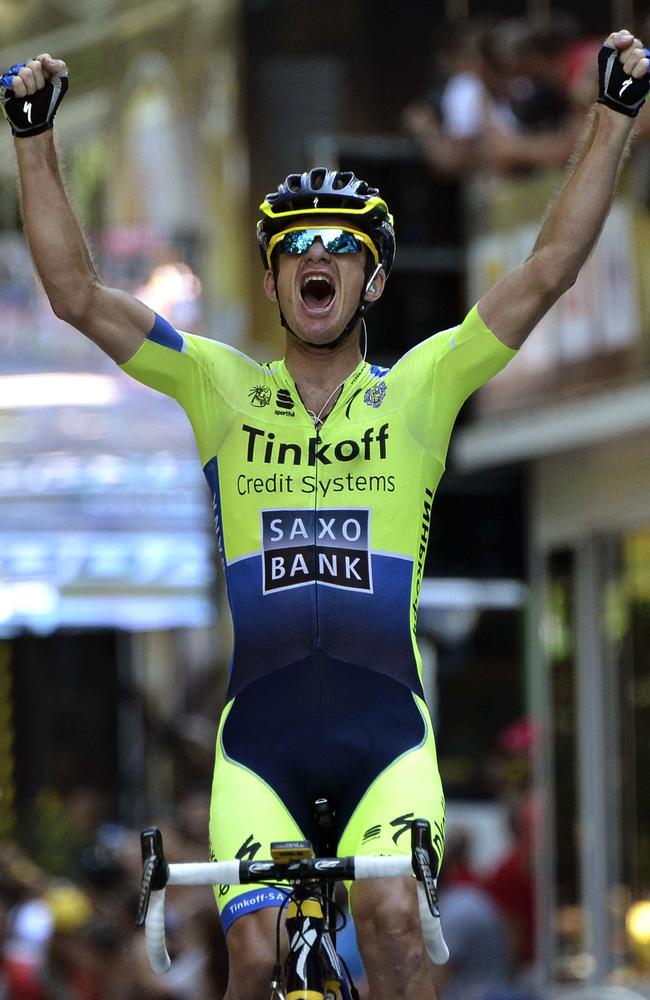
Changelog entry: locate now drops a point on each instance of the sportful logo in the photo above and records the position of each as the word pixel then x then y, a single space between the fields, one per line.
pixel 308 546
pixel 284 400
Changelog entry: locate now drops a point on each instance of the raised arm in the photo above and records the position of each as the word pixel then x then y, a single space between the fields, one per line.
pixel 514 306
pixel 115 321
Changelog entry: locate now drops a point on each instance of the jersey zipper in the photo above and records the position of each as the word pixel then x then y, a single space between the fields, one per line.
pixel 317 631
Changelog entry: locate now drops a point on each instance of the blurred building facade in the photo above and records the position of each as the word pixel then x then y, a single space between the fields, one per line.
pixel 574 410
pixel 110 601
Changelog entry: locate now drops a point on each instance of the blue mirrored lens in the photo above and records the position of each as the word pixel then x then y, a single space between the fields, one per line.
pixel 334 241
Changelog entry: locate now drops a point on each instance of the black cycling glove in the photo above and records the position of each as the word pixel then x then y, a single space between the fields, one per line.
pixel 616 89
pixel 34 113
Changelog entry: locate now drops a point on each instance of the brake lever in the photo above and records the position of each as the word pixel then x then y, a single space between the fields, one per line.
pixel 425 861
pixel 155 874
pixel 423 857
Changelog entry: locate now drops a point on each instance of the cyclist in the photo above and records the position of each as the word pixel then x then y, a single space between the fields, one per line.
pixel 323 469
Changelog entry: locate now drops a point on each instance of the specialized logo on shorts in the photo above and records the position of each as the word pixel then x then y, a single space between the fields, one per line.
pixel 376 395
pixel 246 852
pixel 324 546
pixel 403 824
pixel 372 833
pixel 248 849
pixel 260 395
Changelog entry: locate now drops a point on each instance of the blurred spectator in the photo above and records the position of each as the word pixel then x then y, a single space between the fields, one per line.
pixel 458 869
pixel 28 922
pixel 200 968
pixel 581 71
pixel 65 940
pixel 511 886
pixel 479 965
pixel 505 107
pixel 61 971
pixel 537 90
pixel 451 134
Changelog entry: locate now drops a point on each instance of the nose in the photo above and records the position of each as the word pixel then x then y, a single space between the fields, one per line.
pixel 317 251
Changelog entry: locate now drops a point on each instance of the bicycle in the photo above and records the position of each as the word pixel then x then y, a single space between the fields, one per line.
pixel 312 970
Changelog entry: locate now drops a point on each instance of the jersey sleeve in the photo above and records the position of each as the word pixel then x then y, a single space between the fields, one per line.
pixel 187 368
pixel 444 371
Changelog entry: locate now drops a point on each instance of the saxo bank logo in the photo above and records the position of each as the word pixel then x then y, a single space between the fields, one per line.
pixel 324 546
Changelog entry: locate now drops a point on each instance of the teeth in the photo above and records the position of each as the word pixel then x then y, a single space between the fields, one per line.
pixel 314 277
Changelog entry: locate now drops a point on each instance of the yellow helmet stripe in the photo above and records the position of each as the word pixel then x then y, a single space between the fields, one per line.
pixel 267 209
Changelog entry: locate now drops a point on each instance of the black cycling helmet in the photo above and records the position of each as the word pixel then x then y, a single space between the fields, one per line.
pixel 334 192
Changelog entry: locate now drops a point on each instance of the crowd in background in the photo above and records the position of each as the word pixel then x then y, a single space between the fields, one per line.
pixel 512 97
pixel 68 905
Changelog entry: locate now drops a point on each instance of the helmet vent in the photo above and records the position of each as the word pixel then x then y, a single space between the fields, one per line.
pixel 317 178
pixel 342 179
pixel 293 182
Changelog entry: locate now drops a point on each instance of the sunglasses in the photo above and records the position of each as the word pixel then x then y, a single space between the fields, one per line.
pixel 337 240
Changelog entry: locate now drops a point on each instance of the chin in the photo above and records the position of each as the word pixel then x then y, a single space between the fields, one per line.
pixel 317 342
pixel 313 333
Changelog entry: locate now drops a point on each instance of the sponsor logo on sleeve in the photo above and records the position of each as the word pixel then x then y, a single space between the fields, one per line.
pixel 375 395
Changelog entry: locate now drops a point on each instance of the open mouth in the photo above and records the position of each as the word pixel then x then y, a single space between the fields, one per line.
pixel 317 292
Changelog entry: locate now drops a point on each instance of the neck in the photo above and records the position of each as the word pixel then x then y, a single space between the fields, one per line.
pixel 319 374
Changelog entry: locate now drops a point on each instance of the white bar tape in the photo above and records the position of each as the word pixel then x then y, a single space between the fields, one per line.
pixel 154 933
pixel 432 930
pixel 387 867
pixel 205 873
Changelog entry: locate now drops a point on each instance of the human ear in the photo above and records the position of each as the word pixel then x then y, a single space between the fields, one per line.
pixel 270 289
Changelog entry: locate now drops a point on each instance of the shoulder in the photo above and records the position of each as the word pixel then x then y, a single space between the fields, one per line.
pixel 422 358
pixel 177 346
pixel 181 364
pixel 454 342
pixel 215 352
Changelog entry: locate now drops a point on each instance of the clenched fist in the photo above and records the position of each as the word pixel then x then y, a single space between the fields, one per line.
pixel 31 92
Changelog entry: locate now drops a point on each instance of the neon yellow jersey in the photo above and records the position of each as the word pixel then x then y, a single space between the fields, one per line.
pixel 323 535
